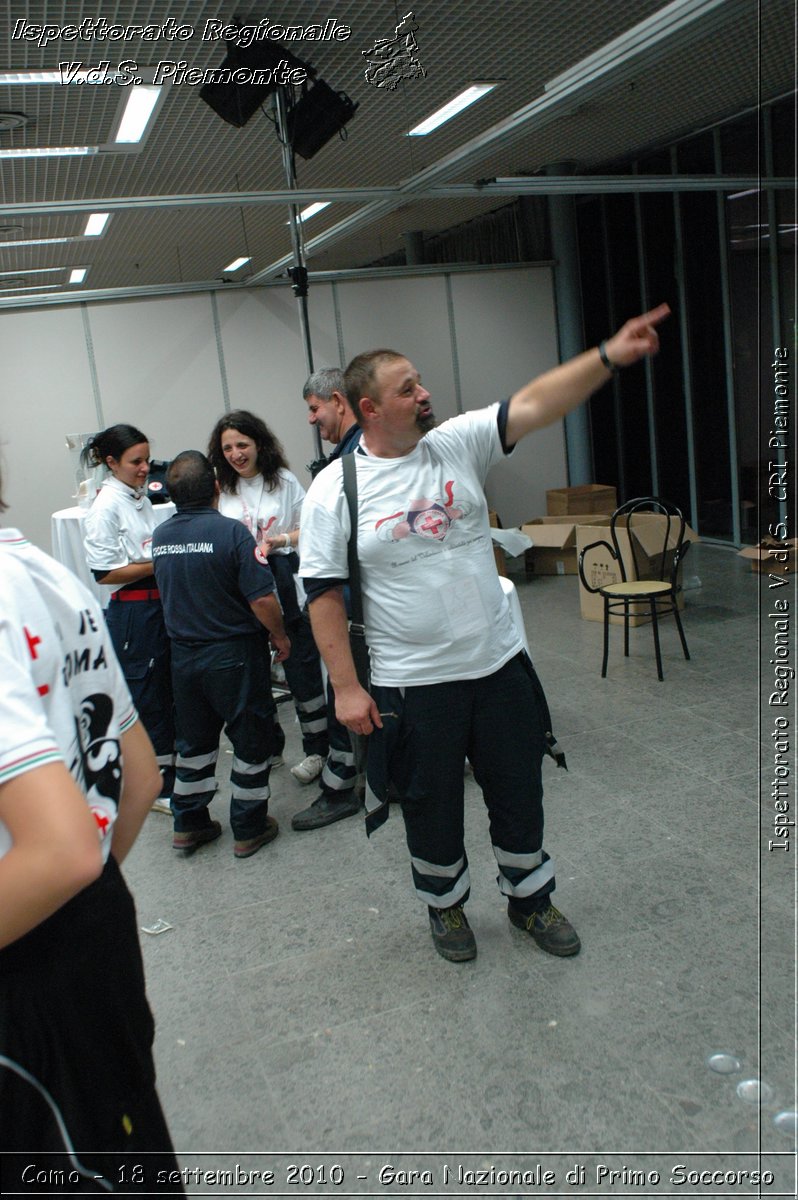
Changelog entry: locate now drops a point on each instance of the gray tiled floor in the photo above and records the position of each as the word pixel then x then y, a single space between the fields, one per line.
pixel 300 1005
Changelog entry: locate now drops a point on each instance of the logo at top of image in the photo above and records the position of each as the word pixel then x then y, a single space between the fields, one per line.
pixel 390 60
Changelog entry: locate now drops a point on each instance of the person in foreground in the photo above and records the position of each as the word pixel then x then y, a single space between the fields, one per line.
pixel 449 675
pixel 220 607
pixel 77 778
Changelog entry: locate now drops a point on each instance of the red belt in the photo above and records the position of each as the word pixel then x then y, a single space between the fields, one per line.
pixel 151 594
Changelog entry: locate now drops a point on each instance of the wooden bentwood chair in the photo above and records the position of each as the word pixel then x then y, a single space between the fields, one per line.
pixel 652 597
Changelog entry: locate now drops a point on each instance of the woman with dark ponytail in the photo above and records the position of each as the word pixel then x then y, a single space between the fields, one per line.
pixel 118 539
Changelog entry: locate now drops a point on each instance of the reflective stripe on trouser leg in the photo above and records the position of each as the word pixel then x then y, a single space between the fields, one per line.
pixel 506 747
pixel 440 885
pixel 303 676
pixel 339 770
pixel 166 764
pixel 194 788
pixel 250 781
pixel 522 875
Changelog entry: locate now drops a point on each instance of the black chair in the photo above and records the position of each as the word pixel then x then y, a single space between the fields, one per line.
pixel 648 576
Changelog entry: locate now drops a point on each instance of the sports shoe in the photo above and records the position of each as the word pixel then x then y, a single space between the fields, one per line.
pixel 553 932
pixel 189 840
pixel 309 769
pixel 325 811
pixel 452 934
pixel 162 806
pixel 249 846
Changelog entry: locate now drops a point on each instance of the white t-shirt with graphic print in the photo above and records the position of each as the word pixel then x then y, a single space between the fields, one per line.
pixel 433 605
pixel 62 694
pixel 266 514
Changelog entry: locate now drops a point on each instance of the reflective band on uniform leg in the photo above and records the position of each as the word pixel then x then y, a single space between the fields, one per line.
pixel 446 899
pixel 242 793
pixel 428 868
pixel 527 862
pixel 244 768
pixel 197 761
pixel 529 884
pixel 315 704
pixel 193 787
pixel 317 726
pixel 165 760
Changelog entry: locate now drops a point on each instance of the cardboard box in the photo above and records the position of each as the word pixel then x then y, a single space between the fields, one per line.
pixel 498 553
pixel 554 551
pixel 587 498
pixel 648 530
pixel 772 556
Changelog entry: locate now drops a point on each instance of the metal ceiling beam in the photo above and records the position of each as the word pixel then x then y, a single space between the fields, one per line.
pixel 678 24
pixel 548 185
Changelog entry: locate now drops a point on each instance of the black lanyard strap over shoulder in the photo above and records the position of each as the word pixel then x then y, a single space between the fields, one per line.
pixel 357 629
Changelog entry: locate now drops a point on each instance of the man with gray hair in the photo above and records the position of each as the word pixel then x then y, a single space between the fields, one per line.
pixel 329 412
pixel 220 608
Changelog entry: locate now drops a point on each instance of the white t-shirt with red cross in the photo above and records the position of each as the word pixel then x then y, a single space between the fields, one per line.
pixel 62 694
pixel 433 606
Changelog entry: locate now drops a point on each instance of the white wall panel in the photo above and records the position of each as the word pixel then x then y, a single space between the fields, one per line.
pixel 46 389
pixel 266 364
pixel 408 315
pixel 507 334
pixel 158 368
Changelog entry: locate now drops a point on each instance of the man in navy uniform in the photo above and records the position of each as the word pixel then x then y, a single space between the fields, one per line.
pixel 221 611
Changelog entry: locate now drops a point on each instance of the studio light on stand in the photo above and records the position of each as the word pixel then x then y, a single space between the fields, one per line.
pixel 304 125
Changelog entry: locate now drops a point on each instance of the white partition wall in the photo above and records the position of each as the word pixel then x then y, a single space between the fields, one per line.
pixel 46 391
pixel 158 368
pixel 506 333
pixel 173 365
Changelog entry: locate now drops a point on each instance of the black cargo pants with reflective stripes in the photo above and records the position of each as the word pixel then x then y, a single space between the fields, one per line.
pixel 499 722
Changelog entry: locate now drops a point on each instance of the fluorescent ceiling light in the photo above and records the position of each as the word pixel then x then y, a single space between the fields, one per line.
pixel 236 264
pixel 36 287
pixel 47 151
pixel 739 195
pixel 312 209
pixel 78 274
pixel 96 224
pixel 141 102
pixel 469 96
pixel 32 271
pixel 12 77
pixel 36 242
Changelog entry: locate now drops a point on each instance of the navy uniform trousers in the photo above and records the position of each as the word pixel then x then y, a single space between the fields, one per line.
pixel 223 685
pixel 141 643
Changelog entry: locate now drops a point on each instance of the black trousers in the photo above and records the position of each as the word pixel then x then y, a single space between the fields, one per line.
pixel 141 643
pixel 223 685
pixel 75 1022
pixel 499 723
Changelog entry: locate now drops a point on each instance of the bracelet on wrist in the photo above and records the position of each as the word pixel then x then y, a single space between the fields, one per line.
pixel 611 366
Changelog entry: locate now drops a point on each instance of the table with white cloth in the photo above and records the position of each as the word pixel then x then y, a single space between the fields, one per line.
pixel 66 532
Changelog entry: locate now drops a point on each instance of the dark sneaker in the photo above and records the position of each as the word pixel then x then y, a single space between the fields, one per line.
pixel 190 840
pixel 324 811
pixel 250 846
pixel 553 932
pixel 452 934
